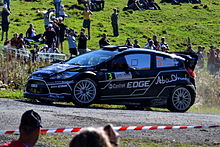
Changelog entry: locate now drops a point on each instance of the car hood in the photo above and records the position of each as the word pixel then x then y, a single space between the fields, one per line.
pixel 55 68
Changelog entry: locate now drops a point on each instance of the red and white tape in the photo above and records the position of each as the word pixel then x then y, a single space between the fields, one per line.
pixel 122 128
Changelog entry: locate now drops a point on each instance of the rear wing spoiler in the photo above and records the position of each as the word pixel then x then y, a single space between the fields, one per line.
pixel 190 59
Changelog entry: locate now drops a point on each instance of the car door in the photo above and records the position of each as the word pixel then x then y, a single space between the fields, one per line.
pixel 128 75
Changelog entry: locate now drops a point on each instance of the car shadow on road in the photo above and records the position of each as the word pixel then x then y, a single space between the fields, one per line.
pixel 94 106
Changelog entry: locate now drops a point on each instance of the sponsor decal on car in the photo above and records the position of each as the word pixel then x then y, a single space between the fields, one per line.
pixel 170 79
pixel 118 75
pixel 133 84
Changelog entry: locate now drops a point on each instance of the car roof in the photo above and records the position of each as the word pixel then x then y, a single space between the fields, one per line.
pixel 123 49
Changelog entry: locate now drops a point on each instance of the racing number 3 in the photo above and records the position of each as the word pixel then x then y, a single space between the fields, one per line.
pixel 109 76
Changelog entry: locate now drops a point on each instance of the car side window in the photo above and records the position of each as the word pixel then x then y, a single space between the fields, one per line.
pixel 139 61
pixel 162 61
pixel 119 64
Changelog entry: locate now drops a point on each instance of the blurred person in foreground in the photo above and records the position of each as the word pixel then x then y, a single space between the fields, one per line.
pixel 29 130
pixel 96 137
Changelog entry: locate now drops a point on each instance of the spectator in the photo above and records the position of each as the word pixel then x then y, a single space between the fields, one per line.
pixel 62 32
pixel 150 45
pixel 47 17
pixel 200 55
pixel 82 42
pixel 44 49
pixel 211 60
pixel 14 40
pixel 34 52
pixel 136 45
pixel 99 4
pixel 8 4
pixel 29 130
pixel 152 5
pixel 95 137
pixel 21 42
pixel 217 60
pixel 86 19
pixel 50 36
pixel 85 2
pixel 128 43
pixel 31 33
pixel 103 41
pixel 114 21
pixel 189 49
pixel 164 43
pixel 62 12
pixel 156 43
pixel 5 21
pixel 57 4
pixel 53 50
pixel 72 42
pixel 135 5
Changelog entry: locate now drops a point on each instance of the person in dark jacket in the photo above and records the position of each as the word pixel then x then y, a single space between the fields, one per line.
pixel 5 21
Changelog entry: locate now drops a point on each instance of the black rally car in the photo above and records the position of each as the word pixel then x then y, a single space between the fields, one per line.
pixel 116 75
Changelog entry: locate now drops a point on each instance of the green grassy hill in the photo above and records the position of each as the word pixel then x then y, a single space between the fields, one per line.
pixel 174 22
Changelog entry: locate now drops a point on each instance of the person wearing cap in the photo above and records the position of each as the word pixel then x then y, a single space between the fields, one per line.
pixel 86 19
pixel 5 21
pixel 114 21
pixel 29 130
pixel 104 41
pixel 44 49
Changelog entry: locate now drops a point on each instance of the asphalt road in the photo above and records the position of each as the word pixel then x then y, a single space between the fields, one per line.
pixel 63 116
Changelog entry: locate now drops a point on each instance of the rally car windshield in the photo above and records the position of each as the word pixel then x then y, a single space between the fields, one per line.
pixel 92 58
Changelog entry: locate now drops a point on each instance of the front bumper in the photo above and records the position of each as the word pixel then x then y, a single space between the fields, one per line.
pixel 53 91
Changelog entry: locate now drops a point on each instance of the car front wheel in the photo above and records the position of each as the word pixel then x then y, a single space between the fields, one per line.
pixel 84 92
pixel 181 99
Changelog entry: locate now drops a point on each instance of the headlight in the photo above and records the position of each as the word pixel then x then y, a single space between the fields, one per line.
pixel 64 75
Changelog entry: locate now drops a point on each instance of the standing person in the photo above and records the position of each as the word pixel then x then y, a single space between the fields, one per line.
pixel 62 12
pixel 50 36
pixel 86 20
pixel 62 32
pixel 150 45
pixel 47 17
pixel 8 4
pixel 114 20
pixel 5 21
pixel 29 130
pixel 103 41
pixel 156 43
pixel 57 4
pixel 211 60
pixel 72 42
pixel 82 42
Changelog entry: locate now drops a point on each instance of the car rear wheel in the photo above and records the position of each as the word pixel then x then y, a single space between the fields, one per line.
pixel 84 92
pixel 181 99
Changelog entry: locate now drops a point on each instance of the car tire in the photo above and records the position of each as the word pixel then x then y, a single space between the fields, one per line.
pixel 84 92
pixel 181 99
